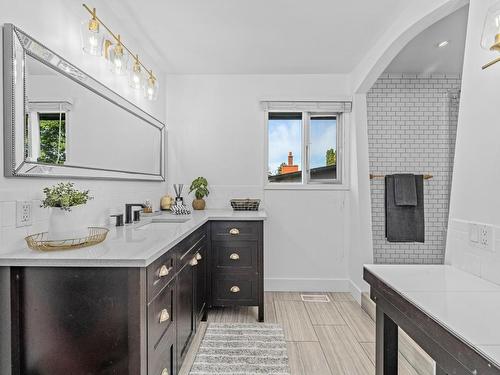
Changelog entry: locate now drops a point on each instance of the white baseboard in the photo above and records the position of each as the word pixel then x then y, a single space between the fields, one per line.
pixel 306 285
pixel 355 291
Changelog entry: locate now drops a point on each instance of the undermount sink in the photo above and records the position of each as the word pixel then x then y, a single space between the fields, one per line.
pixel 161 221
pixel 170 219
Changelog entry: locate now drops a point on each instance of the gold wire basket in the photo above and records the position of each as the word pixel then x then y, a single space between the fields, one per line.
pixel 40 241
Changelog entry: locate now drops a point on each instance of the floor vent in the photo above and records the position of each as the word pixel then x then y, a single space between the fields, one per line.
pixel 315 298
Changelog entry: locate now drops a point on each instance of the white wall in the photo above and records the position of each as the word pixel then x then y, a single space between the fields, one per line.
pixel 56 23
pixel 476 179
pixel 217 131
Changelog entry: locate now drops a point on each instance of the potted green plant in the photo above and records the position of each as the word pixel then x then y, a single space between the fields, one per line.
pixel 67 215
pixel 200 188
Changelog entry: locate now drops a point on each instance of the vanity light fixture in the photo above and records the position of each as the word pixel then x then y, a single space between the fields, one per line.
pixel 490 40
pixel 118 54
pixel 92 35
pixel 135 75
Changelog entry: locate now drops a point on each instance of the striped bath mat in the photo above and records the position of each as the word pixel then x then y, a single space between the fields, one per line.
pixel 242 349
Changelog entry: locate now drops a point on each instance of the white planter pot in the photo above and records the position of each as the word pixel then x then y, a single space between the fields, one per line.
pixel 68 224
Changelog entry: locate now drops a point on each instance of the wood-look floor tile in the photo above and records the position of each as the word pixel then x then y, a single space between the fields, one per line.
pixel 358 320
pixel 343 352
pixel 286 296
pixel 323 313
pixel 341 297
pixel 293 317
pixel 404 367
pixel 269 312
pixel 307 358
pixel 244 314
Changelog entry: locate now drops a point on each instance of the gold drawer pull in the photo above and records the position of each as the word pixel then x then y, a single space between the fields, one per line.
pixel 234 289
pixel 198 256
pixel 234 231
pixel 234 256
pixel 164 271
pixel 164 315
pixel 164 372
pixel 193 262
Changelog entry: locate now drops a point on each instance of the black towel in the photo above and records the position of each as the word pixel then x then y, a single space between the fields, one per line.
pixel 404 223
pixel 405 190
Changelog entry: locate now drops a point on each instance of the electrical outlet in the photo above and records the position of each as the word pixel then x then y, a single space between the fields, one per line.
pixel 24 211
pixel 486 237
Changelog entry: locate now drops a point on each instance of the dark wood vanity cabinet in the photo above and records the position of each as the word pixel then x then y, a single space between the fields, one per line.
pixel 237 264
pixel 118 320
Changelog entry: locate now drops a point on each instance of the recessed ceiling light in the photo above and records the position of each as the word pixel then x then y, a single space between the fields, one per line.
pixel 442 44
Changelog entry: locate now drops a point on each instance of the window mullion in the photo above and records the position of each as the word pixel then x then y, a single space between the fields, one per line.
pixel 305 148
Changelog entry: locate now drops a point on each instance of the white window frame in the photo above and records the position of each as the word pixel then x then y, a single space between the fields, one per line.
pixel 342 180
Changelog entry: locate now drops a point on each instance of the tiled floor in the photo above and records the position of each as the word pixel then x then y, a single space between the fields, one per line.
pixel 331 338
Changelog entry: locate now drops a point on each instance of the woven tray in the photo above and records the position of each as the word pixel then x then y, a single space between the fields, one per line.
pixel 245 204
pixel 40 241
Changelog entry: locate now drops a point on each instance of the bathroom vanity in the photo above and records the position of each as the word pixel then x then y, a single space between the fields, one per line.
pixel 132 304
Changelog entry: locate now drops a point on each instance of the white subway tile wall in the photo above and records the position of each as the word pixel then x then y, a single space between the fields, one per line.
pixel 412 122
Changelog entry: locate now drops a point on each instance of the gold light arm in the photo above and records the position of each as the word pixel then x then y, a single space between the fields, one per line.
pixel 493 62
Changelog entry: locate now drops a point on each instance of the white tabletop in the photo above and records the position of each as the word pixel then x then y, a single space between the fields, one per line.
pixel 465 304
pixel 135 245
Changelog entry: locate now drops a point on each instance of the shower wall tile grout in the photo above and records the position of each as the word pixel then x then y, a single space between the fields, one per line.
pixel 412 129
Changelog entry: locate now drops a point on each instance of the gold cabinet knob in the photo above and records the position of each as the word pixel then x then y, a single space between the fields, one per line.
pixel 234 256
pixel 164 271
pixel 164 372
pixel 234 289
pixel 164 315
pixel 193 262
pixel 234 231
pixel 198 256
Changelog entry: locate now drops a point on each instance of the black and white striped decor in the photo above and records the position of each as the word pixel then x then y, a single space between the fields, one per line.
pixel 242 349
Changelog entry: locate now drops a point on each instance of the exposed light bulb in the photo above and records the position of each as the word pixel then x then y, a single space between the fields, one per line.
pixel 135 76
pixel 151 87
pixel 444 43
pixel 118 58
pixel 92 37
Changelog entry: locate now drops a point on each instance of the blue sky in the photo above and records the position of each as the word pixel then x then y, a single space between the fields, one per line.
pixel 286 135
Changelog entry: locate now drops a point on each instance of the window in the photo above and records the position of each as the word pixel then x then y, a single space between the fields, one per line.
pixel 45 137
pixel 304 148
pixel 52 138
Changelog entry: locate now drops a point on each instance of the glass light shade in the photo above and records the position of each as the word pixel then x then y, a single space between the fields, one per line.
pixel 151 88
pixel 118 58
pixel 490 38
pixel 92 37
pixel 135 77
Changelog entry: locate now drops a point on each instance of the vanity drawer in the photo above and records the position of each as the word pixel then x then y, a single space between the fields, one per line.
pixel 191 240
pixel 162 359
pixel 236 230
pixel 160 272
pixel 235 255
pixel 239 289
pixel 161 314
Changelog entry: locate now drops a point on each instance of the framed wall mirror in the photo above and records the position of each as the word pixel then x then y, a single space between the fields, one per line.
pixel 61 122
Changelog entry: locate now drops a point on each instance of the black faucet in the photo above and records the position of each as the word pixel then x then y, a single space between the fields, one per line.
pixel 128 211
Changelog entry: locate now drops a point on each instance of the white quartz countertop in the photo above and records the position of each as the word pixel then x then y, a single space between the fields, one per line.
pixel 134 245
pixel 465 304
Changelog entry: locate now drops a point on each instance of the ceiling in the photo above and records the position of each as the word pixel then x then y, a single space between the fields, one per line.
pixel 421 55
pixel 257 36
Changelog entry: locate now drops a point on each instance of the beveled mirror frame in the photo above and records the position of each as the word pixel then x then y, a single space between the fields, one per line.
pixel 16 166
